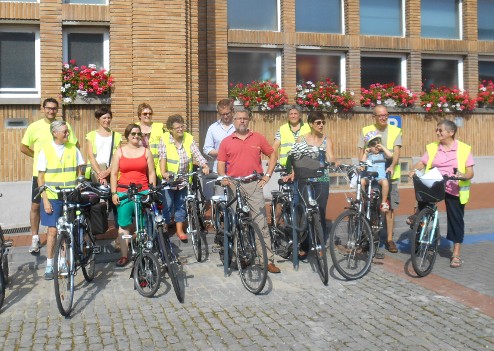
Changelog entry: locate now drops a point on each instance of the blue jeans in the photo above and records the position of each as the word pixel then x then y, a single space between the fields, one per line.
pixel 175 204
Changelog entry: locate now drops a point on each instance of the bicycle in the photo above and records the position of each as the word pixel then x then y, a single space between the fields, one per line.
pixel 281 223
pixel 195 205
pixel 312 224
pixel 237 234
pixel 151 242
pixel 75 246
pixel 4 264
pixel 425 234
pixel 355 234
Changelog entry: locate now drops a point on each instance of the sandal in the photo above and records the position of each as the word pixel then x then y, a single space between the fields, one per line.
pixel 122 261
pixel 455 262
pixel 411 220
pixel 392 247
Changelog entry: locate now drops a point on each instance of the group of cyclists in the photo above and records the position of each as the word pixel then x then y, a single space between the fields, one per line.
pixel 154 151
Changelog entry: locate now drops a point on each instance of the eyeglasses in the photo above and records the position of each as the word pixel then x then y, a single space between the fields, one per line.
pixel 179 127
pixel 139 134
pixel 319 122
pixel 147 113
pixel 440 131
pixel 384 115
pixel 51 108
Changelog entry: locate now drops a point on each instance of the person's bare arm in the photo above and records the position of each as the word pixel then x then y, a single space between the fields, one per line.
pixel 27 151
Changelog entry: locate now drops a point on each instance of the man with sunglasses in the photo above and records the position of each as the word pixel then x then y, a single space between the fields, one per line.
pixel 37 134
pixel 391 139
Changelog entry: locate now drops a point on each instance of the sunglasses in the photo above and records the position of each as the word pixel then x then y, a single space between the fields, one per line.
pixel 440 131
pixel 320 122
pixel 147 113
pixel 139 134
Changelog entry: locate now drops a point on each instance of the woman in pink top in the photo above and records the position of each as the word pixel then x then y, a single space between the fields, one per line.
pixel 131 163
pixel 452 158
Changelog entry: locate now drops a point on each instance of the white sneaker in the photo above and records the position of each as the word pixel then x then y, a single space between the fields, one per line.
pixel 35 246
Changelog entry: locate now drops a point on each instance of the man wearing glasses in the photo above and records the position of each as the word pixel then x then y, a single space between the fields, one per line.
pixel 36 135
pixel 391 139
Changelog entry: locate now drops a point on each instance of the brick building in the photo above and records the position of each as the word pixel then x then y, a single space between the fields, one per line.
pixel 180 55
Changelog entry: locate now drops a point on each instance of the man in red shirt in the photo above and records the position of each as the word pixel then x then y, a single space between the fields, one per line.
pixel 239 155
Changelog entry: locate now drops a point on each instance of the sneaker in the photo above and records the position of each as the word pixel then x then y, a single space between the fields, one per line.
pixel 34 249
pixel 62 269
pixel 49 273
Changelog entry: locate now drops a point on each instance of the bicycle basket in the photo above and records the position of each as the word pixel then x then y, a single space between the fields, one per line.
pixel 307 167
pixel 423 193
pixel 84 198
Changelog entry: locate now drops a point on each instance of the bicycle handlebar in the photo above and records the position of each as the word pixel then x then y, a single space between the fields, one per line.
pixel 246 179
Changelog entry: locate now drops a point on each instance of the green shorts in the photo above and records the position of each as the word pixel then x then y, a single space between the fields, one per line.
pixel 125 211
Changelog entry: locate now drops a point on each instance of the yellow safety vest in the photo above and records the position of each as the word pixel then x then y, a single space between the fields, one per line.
pixel 461 156
pixel 287 140
pixel 154 140
pixel 91 136
pixel 393 133
pixel 60 172
pixel 172 158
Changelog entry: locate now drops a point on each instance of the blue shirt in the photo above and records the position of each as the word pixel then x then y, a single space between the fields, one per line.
pixel 216 133
pixel 378 167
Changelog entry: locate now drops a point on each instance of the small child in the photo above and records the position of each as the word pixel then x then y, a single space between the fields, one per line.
pixel 375 151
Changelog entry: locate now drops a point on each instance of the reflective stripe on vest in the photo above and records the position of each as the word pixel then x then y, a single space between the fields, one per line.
pixel 172 158
pixel 288 139
pixel 60 172
pixel 461 156
pixel 154 140
pixel 393 133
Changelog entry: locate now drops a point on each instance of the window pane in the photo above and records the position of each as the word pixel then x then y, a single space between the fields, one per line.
pixel 485 20
pixel 381 17
pixel 86 2
pixel 440 19
pixel 382 70
pixel 245 67
pixel 253 14
pixel 86 48
pixel 486 70
pixel 439 72
pixel 318 67
pixel 323 16
pixel 17 60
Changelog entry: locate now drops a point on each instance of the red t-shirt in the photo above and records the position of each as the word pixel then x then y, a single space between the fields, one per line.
pixel 242 157
pixel 133 170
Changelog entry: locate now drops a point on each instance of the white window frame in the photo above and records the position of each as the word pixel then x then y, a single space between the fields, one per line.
pixel 459 59
pixel 316 50
pixel 264 48
pixel 69 28
pixel 403 63
pixel 26 92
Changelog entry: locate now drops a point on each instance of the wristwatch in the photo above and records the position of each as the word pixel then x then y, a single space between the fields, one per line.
pixel 268 175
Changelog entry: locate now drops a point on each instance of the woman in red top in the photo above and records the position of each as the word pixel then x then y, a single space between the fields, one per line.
pixel 132 163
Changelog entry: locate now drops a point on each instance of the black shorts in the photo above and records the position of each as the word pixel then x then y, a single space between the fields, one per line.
pixel 34 191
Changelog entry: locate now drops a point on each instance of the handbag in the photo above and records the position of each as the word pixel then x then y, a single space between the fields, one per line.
pixel 103 166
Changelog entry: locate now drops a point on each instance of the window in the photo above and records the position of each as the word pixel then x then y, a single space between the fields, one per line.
pixel 323 16
pixel 87 46
pixel 381 17
pixel 383 69
pixel 247 65
pixel 441 19
pixel 253 14
pixel 485 10
pixel 439 72
pixel 486 70
pixel 315 66
pixel 19 62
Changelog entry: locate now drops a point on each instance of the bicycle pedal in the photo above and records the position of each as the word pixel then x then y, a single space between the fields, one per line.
pixel 126 236
pixel 96 249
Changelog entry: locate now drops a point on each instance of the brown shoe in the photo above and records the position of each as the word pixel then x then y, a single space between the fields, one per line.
pixel 392 247
pixel 272 268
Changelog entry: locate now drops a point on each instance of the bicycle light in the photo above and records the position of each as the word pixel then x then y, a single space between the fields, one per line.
pixel 245 209
pixel 312 202
pixel 158 219
pixel 149 245
pixel 61 221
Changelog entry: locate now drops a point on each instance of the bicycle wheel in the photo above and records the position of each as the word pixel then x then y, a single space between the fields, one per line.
pixel 351 245
pixel 172 264
pixel 63 270
pixel 147 274
pixel 424 242
pixel 194 229
pixel 5 258
pixel 317 237
pixel 87 248
pixel 2 287
pixel 252 259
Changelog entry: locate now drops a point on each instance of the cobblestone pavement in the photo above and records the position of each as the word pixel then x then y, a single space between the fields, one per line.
pixel 382 311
